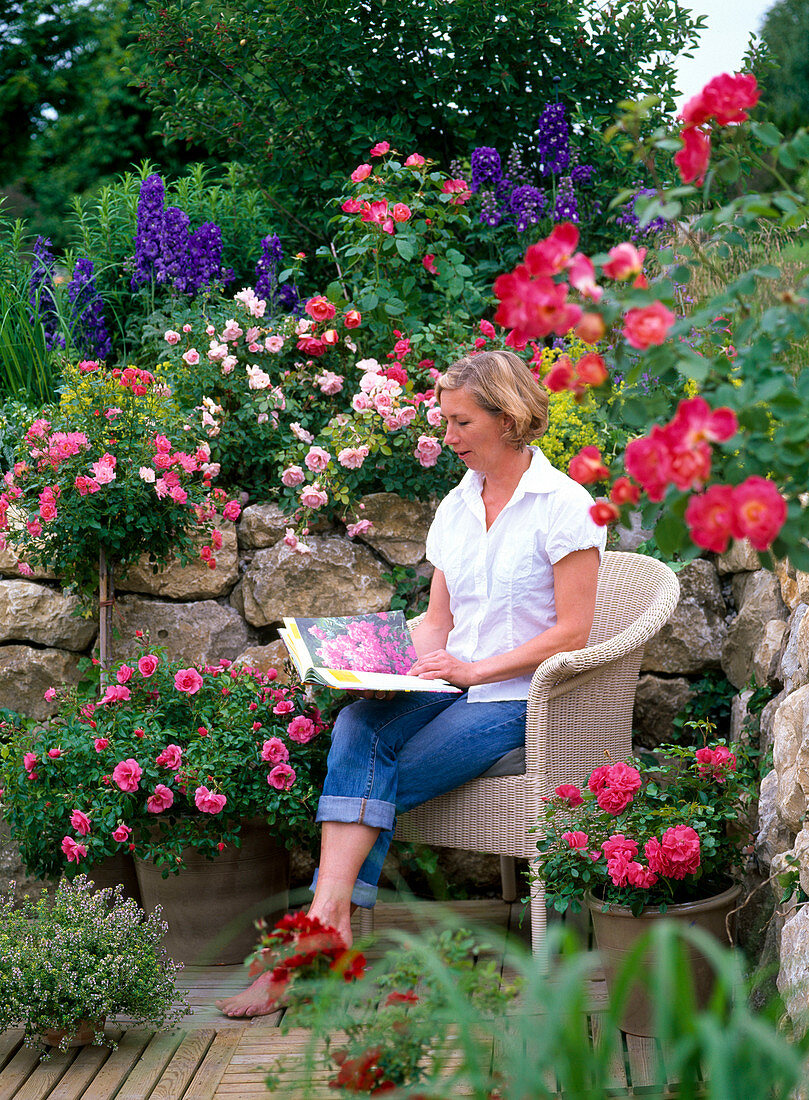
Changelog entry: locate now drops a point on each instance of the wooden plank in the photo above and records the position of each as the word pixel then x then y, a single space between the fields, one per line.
pixel 107 1080
pixel 216 1061
pixel 9 1044
pixel 184 1065
pixel 17 1071
pixel 85 1067
pixel 46 1076
pixel 643 1068
pixel 149 1067
pixel 616 1068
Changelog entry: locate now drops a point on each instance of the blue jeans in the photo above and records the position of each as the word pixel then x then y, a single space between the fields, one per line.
pixel 388 755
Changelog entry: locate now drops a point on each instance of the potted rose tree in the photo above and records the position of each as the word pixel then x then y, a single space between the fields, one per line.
pixel 206 775
pixel 113 473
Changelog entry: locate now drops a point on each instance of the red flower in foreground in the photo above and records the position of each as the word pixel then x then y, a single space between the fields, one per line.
pixel 570 793
pixel 587 466
pixel 648 326
pixel 759 511
pixel 726 98
pixel 693 159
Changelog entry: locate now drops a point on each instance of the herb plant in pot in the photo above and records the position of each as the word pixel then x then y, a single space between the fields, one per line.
pixel 646 840
pixel 207 775
pixel 68 965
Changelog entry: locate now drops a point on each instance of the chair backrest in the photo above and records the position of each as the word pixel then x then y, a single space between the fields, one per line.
pixel 628 586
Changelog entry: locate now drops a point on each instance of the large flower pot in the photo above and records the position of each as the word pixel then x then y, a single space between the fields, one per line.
pixel 80 1035
pixel 210 905
pixel 117 870
pixel 616 930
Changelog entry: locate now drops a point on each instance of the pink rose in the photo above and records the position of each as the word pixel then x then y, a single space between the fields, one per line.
pixel 623 777
pixel 314 497
pixel 274 751
pixel 50 695
pixel 116 693
pixel 427 450
pixel 126 774
pixel 72 850
pixel 80 822
pixel 281 777
pixel 317 459
pixel 54 754
pixel 380 149
pixel 401 212
pixel 358 528
pixel 124 674
pixel 320 308
pixel 188 680
pixel 352 206
pixel 361 173
pixel 121 833
pixel 147 665
pixel 570 794
pixel 293 475
pixel 649 326
pixel 100 743
pixel 639 876
pixel 625 261
pixel 716 763
pixel 353 457
pixel 171 337
pixel 161 800
pixel 618 844
pixel 613 800
pixel 576 839
pixel 191 357
pixel 428 262
pixel 301 729
pixel 283 706
pixel 415 160
pixel 676 854
pixel 209 802
pixel 232 510
pixel 171 757
pixel 47 510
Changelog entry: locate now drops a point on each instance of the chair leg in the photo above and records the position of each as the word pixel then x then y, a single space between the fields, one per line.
pixel 508 877
pixel 539 923
pixel 366 921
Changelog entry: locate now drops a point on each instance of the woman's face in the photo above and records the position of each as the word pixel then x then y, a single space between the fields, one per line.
pixel 473 433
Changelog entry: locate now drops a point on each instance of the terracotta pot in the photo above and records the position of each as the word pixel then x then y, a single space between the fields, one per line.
pixel 79 1036
pixel 616 930
pixel 115 870
pixel 210 905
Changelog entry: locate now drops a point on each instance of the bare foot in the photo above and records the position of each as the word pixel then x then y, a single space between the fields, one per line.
pixel 259 999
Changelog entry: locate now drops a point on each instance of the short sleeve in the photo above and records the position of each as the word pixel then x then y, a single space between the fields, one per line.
pixel 572 527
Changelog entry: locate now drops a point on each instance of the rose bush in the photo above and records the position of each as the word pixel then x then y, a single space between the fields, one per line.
pixel 169 757
pixel 656 832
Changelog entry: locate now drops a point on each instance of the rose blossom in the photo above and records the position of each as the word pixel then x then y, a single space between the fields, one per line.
pixel 124 674
pixel 161 800
pixel 361 172
pixel 80 822
pixel 576 839
pixel 330 383
pixel 147 665
pixel 293 475
pixel 188 680
pixel 116 693
pixel 191 357
pixel 317 459
pixel 232 511
pixel 209 802
pixel 380 149
pixel 274 751
pixel 126 774
pixel 72 850
pixel 624 261
pixel 359 528
pixel 415 160
pixel 352 318
pixel 648 326
pixel 427 450
pixel 283 706
pixel 121 833
pixel 313 496
pixel 353 457
pixel 171 757
pixel 281 777
pixel 301 729
pixel 676 854
pixel 570 794
pixel 171 337
pixel 587 466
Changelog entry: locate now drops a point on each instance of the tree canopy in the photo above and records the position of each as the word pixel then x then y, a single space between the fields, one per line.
pixel 784 76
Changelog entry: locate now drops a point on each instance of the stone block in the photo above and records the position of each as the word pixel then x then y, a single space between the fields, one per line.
pixel 691 641
pixel 36 613
pixel 792 670
pixel 766 659
pixel 794 584
pixel 658 701
pixel 791 757
pixel 194 581
pixel 10 567
pixel 738 715
pixel 27 673
pixel 740 557
pixel 339 577
pixel 772 836
pixel 264 657
pixel 759 601
pixel 793 975
pixel 262 525
pixel 399 531
pixel 197 633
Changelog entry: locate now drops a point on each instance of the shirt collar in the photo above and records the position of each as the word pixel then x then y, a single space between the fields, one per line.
pixel 540 477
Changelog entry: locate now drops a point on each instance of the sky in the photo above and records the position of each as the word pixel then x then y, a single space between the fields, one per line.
pixel 723 42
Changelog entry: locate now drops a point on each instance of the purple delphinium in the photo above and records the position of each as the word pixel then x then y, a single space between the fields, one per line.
pixel 289 300
pixel 41 293
pixel 553 140
pixel 566 208
pixel 269 261
pixel 486 167
pixel 172 265
pixel 204 268
pixel 149 229
pixel 527 205
pixel 490 213
pixel 629 219
pixel 582 173
pixel 87 326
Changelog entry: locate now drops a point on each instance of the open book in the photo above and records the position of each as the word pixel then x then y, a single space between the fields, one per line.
pixel 356 653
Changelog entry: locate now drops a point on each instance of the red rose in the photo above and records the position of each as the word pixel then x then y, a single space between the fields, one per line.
pixel 693 159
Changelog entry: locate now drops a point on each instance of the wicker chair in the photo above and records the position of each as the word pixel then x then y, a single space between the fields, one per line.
pixel 579 715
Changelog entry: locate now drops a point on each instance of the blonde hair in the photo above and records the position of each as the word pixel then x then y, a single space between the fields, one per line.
pixel 500 382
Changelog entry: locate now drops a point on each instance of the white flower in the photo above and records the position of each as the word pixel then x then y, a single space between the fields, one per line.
pixel 257 379
pixel 146 473
pixel 369 366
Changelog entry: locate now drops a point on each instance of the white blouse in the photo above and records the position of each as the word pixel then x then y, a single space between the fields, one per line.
pixel 500 581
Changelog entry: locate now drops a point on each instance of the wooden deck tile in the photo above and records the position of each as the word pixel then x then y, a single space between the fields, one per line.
pixel 214 1066
pixel 117 1065
pixel 10 1042
pixel 183 1066
pixel 148 1069
pixel 17 1072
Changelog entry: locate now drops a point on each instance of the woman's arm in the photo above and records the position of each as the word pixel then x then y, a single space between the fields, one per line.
pixel 433 630
pixel 575 579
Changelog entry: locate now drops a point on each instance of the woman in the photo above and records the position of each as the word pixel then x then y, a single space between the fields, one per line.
pixel 516 558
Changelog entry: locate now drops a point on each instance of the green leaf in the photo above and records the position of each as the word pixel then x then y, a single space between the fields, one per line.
pixel 670 533
pixel 405 248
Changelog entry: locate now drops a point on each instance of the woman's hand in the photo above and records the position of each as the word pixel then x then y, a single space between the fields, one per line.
pixel 440 665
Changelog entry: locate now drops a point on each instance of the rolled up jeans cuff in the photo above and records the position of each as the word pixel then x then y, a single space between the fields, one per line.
pixel 363 894
pixel 357 811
